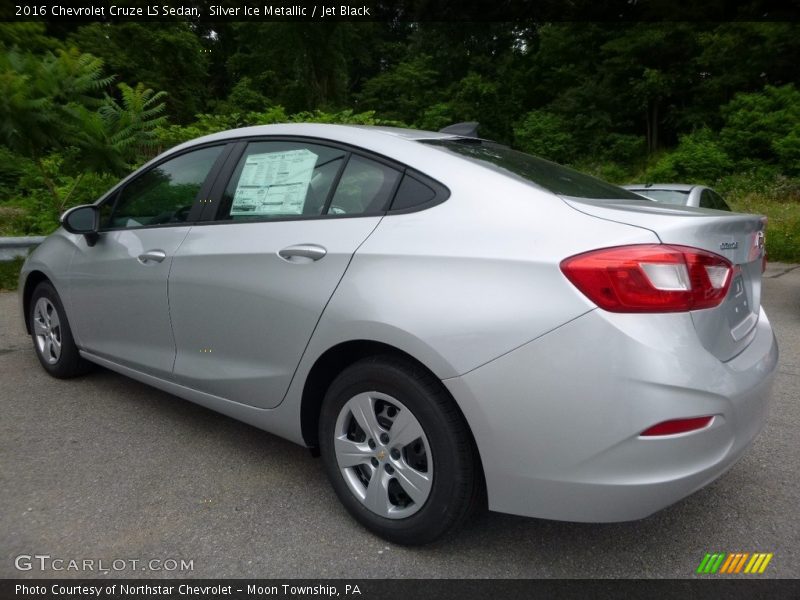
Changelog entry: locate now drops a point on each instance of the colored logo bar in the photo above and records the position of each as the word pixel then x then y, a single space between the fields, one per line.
pixel 734 562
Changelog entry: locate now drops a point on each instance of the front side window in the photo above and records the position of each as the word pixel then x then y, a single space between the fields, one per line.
pixel 164 194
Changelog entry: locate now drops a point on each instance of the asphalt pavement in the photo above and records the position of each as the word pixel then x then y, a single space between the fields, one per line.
pixel 103 468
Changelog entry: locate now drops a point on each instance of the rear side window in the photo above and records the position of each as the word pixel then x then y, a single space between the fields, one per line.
pixel 412 192
pixel 711 199
pixel 287 179
pixel 365 188
pixel 281 179
pixel 543 173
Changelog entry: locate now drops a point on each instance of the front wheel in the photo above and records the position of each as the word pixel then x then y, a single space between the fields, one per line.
pixel 52 336
pixel 397 451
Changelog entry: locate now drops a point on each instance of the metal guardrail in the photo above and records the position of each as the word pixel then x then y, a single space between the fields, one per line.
pixel 11 247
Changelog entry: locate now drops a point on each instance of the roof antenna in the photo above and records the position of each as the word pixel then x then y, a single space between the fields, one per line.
pixel 467 129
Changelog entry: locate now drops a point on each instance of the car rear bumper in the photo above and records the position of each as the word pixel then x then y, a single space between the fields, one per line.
pixel 557 421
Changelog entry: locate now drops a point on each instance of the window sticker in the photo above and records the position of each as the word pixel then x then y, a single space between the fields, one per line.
pixel 274 183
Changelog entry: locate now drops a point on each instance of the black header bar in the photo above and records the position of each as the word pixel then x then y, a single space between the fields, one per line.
pixel 531 11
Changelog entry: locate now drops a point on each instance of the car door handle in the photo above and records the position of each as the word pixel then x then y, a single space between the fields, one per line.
pixel 152 256
pixel 302 253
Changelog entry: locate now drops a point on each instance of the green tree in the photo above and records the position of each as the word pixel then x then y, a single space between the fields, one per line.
pixel 547 135
pixel 161 56
pixel 39 102
pixel 301 66
pixel 117 135
pixel 57 102
pixel 647 69
pixel 29 35
pixel 699 158
pixel 405 91
pixel 738 57
pixel 763 126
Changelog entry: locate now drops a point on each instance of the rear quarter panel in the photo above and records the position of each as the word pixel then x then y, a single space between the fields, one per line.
pixel 466 281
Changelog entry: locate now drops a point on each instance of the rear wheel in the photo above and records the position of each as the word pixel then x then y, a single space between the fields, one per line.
pixel 397 451
pixel 52 336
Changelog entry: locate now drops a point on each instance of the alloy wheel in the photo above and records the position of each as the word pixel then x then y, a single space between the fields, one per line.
pixel 47 329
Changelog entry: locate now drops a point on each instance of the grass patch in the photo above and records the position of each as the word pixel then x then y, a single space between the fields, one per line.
pixel 783 229
pixel 9 273
pixel 776 197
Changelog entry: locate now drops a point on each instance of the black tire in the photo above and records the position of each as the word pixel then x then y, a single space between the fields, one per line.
pixel 69 362
pixel 457 483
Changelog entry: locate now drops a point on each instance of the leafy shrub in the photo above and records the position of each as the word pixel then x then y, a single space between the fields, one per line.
pixel 764 126
pixel 764 191
pixel 404 90
pixel 244 98
pixel 545 134
pixel 783 227
pixel 611 172
pixel 12 166
pixel 697 159
pixel 9 273
pixel 761 180
pixel 624 149
pixel 437 116
pixel 345 117
pixel 787 150
pixel 33 208
pixel 206 124
pixel 12 219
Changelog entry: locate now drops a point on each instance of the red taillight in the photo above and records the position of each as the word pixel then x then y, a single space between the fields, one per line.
pixel 650 278
pixel 677 426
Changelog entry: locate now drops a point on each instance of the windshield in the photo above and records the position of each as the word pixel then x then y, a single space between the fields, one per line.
pixel 548 175
pixel 666 196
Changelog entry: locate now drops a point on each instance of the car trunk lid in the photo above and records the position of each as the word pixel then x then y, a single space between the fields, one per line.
pixel 727 329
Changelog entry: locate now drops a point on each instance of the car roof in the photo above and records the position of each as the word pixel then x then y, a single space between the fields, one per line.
pixel 354 134
pixel 677 187
pixel 409 134
pixel 395 143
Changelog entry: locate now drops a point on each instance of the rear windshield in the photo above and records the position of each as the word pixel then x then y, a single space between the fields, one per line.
pixel 666 196
pixel 548 175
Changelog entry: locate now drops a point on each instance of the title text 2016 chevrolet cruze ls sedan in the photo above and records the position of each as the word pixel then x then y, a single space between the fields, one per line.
pixel 441 316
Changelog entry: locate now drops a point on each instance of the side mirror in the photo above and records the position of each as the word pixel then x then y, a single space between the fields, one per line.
pixel 85 220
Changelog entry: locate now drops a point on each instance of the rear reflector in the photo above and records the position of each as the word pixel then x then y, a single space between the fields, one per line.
pixel 650 277
pixel 677 426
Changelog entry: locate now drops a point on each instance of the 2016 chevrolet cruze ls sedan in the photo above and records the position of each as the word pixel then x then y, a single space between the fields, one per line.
pixel 445 319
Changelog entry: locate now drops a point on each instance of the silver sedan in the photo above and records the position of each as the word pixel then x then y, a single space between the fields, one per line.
pixel 448 322
pixel 682 194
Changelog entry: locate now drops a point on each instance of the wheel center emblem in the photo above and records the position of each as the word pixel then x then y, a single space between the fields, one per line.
pixel 381 454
